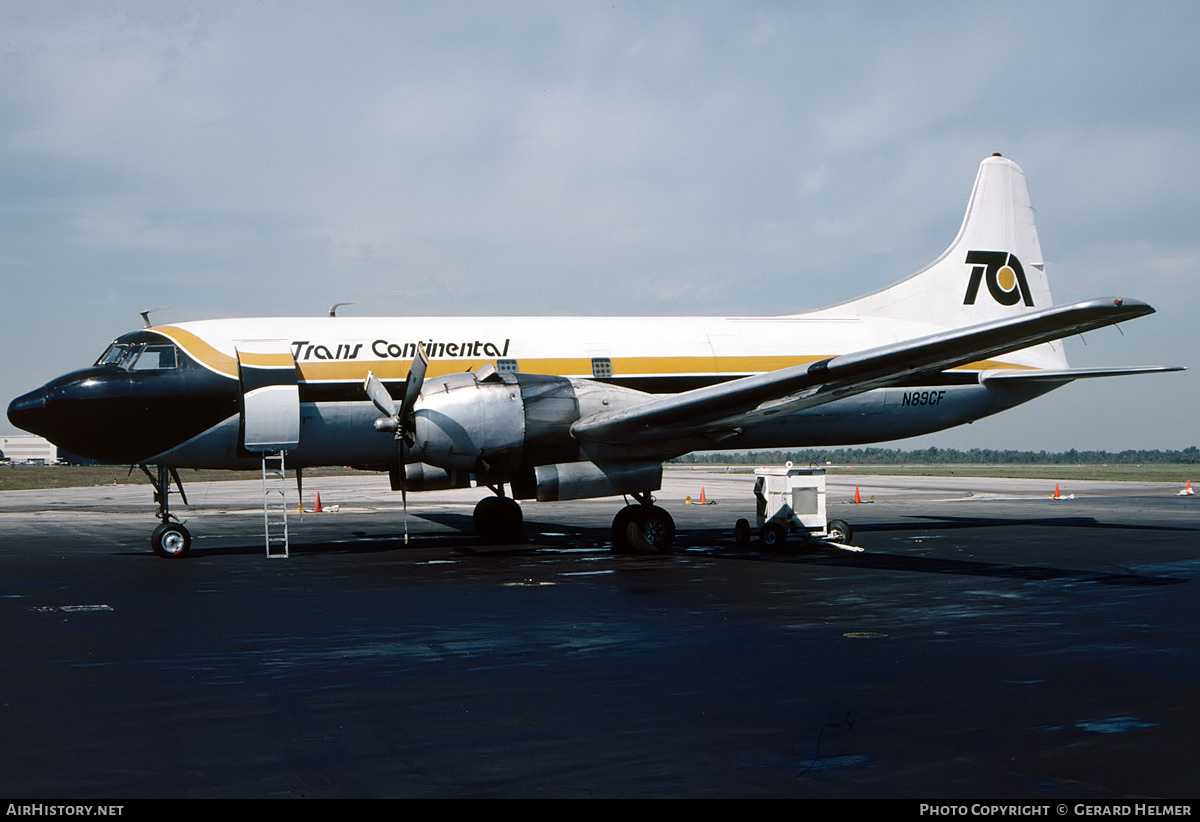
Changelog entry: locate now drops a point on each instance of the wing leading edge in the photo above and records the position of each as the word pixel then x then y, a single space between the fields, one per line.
pixel 729 404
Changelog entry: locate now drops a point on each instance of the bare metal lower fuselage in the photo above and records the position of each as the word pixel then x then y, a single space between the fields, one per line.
pixel 332 433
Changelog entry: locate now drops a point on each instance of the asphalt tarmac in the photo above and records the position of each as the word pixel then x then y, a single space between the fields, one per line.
pixel 988 642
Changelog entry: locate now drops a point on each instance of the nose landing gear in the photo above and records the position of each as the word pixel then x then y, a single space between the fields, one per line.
pixel 170 539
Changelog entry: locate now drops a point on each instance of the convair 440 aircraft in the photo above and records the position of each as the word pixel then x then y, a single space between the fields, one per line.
pixel 554 408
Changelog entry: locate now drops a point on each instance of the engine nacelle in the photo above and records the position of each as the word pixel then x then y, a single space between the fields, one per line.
pixel 421 477
pixel 587 480
pixel 496 423
pixel 466 424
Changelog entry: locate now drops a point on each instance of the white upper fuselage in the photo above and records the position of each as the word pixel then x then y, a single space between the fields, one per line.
pixel 344 349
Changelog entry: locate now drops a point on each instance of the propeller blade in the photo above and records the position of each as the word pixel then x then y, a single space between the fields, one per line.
pixel 379 395
pixel 416 378
pixel 403 485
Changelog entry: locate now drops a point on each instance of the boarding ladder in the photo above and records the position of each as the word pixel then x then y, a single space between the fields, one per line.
pixel 275 526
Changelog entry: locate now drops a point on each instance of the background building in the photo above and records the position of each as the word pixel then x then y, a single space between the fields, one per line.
pixel 29 449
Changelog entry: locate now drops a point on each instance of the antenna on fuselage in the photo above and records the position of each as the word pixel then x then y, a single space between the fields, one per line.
pixel 333 308
pixel 145 315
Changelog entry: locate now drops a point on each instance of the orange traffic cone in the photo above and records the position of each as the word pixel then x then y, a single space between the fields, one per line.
pixel 1057 495
pixel 1187 490
pixel 702 501
pixel 857 498
pixel 317 507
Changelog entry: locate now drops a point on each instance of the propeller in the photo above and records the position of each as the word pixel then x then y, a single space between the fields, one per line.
pixel 402 420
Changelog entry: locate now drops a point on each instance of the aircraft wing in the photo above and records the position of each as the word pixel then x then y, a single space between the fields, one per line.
pixel 719 409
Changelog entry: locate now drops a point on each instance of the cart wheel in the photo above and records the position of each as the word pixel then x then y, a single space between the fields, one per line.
pixel 839 532
pixel 741 533
pixel 772 535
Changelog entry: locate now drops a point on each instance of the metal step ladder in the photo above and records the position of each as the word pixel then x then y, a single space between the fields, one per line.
pixel 275 525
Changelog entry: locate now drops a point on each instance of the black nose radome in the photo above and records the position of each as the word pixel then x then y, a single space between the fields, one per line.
pixel 28 411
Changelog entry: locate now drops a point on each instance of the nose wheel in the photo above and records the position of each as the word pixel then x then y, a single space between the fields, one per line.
pixel 170 540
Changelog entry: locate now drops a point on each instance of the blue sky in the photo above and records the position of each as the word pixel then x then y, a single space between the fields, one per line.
pixel 271 158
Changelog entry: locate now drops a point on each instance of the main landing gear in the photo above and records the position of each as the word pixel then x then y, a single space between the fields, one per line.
pixel 643 528
pixel 170 539
pixel 498 518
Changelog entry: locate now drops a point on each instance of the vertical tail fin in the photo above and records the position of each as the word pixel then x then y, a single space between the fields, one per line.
pixel 993 269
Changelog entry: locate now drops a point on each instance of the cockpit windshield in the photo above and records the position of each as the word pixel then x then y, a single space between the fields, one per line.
pixel 140 356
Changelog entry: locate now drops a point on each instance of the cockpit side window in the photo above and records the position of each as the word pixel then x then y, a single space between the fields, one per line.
pixel 154 358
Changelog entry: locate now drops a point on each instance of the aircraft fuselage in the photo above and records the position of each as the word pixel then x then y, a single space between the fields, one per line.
pixel 186 408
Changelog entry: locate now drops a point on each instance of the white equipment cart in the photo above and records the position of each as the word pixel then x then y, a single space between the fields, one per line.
pixel 791 500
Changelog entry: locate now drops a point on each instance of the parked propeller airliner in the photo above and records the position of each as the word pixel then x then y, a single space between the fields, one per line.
pixel 554 408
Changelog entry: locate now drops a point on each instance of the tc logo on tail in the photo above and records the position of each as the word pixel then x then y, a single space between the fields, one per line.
pixel 1005 277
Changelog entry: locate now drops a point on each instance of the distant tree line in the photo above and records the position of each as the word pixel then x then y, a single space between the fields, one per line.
pixel 943 456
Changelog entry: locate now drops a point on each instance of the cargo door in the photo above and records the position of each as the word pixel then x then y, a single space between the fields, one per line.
pixel 270 395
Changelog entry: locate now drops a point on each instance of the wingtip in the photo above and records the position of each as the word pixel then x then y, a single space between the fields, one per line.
pixel 1121 302
pixel 1122 305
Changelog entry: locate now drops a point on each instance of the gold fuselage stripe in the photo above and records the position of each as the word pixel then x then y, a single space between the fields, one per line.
pixel 261 360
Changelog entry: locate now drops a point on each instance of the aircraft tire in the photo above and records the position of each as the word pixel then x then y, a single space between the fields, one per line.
pixel 621 525
pixel 643 529
pixel 741 533
pixel 839 532
pixel 772 536
pixel 498 518
pixel 170 540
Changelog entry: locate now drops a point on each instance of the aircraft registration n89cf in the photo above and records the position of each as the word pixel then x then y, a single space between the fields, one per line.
pixel 554 408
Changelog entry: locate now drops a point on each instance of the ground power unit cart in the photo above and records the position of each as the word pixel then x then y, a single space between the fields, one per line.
pixel 791 501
